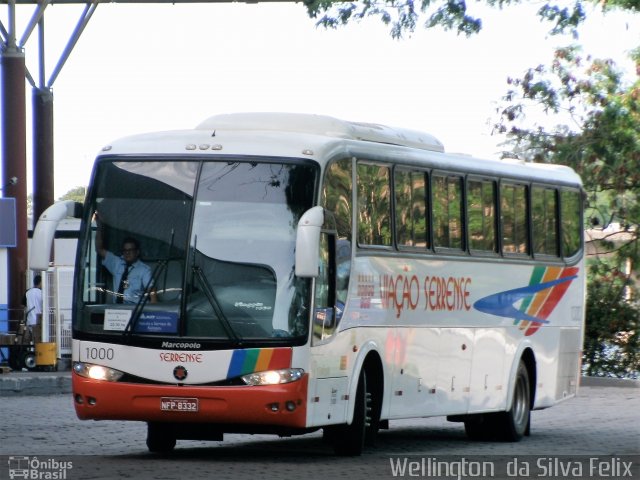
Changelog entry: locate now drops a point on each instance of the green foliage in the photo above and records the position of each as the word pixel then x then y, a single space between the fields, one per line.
pixel 612 337
pixel 402 16
pixel 632 5
pixel 596 132
pixel 76 194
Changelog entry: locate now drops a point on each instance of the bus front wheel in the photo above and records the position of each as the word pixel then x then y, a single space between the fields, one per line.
pixel 160 438
pixel 349 440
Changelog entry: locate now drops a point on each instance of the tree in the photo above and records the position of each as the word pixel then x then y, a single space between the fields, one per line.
pixel 596 133
pixel 402 16
pixel 76 194
pixel 596 113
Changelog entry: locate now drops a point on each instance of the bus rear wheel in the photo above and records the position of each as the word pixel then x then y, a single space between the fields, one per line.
pixel 160 438
pixel 514 423
pixel 509 426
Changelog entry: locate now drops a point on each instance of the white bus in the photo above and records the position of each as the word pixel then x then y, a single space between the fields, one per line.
pixel 308 273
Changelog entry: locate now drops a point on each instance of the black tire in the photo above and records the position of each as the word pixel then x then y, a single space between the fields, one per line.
pixel 349 440
pixel 374 407
pixel 513 424
pixel 160 438
pixel 15 354
pixel 28 360
pixel 478 428
pixel 509 426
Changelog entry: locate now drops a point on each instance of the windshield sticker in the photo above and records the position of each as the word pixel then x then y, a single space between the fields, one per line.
pixel 116 320
pixel 259 306
pixel 158 322
pixel 150 322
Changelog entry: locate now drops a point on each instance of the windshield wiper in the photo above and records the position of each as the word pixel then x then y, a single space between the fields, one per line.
pixel 137 311
pixel 211 296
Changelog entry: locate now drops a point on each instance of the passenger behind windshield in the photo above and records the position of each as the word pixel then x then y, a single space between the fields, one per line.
pixel 131 276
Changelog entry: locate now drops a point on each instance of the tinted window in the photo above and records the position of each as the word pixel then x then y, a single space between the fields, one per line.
pixel 481 208
pixel 513 209
pixel 447 211
pixel 374 208
pixel 544 216
pixel 411 208
pixel 336 193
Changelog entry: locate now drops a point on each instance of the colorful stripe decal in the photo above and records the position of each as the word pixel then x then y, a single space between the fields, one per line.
pixel 536 277
pixel 257 360
pixel 545 301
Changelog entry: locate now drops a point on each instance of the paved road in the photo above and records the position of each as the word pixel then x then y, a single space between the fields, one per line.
pixel 599 422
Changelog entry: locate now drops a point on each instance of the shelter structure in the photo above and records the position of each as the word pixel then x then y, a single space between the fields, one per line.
pixel 13 131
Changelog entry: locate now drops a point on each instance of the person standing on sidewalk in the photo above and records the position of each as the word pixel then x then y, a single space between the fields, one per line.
pixel 34 303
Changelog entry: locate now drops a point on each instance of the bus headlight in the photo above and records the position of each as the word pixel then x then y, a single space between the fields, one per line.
pixel 97 372
pixel 273 377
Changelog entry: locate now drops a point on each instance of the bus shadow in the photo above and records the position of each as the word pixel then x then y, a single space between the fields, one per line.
pixel 310 448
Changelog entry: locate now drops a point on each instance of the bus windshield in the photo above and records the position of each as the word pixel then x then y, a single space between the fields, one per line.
pixel 203 250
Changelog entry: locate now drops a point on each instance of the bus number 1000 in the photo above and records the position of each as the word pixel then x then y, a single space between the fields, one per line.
pixel 100 353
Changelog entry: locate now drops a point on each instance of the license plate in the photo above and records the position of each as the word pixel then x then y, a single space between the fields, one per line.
pixel 168 404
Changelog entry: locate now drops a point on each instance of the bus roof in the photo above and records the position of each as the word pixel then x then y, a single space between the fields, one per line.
pixel 322 125
pixel 324 138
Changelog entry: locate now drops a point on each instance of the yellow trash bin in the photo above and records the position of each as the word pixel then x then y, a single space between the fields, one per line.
pixel 46 355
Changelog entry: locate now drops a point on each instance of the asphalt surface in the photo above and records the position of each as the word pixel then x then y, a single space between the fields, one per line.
pixel 599 425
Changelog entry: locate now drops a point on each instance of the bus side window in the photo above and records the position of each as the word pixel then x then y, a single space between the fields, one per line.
pixel 336 198
pixel 447 211
pixel 374 205
pixel 411 207
pixel 513 209
pixel 481 215
pixel 544 215
pixel 325 312
pixel 332 283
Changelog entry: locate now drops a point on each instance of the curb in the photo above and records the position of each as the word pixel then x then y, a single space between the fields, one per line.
pixel 608 382
pixel 23 384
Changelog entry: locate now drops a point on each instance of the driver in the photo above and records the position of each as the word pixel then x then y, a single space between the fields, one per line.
pixel 130 274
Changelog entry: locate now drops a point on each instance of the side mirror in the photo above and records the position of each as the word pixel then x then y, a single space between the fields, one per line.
pixel 45 231
pixel 308 242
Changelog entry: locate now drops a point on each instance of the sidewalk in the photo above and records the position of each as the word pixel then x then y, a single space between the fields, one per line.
pixel 52 383
pixel 34 383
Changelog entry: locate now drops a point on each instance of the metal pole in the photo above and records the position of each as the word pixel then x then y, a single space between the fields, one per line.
pixel 14 159
pixel 43 171
pixel 3 32
pixel 43 185
pixel 35 19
